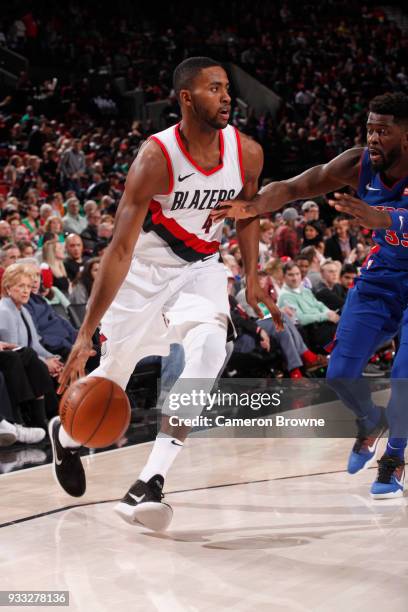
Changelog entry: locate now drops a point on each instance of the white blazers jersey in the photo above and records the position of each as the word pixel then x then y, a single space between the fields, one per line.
pixel 177 229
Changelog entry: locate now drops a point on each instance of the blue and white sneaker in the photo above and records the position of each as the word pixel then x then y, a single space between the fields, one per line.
pixel 390 478
pixel 365 447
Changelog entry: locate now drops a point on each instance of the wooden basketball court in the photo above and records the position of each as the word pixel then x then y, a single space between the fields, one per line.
pixel 259 524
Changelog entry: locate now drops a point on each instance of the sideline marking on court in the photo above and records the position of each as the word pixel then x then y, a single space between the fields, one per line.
pixel 220 486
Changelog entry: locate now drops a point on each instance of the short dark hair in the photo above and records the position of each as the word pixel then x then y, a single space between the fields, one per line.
pixel 289 266
pixel 341 217
pixel 302 257
pixel 348 268
pixel 85 276
pixel 186 71
pixel 309 253
pixel 395 104
pixel 22 244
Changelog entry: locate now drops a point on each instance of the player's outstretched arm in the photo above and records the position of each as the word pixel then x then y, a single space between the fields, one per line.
pixel 340 171
pixel 248 233
pixel 147 176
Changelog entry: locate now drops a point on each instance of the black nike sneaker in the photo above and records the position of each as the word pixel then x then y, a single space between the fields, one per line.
pixel 142 505
pixel 68 469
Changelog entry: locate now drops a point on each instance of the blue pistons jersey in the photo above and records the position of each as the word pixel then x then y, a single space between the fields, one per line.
pixel 376 309
pixel 392 244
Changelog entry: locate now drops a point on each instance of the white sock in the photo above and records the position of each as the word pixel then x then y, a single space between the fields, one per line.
pixel 164 451
pixel 65 440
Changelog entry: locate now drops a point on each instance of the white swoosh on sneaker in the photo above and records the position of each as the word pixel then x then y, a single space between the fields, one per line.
pixel 58 461
pixel 371 449
pixel 136 498
pixel 369 188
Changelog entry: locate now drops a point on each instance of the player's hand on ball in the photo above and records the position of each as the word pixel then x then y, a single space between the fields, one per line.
pixel 368 216
pixel 255 295
pixel 75 366
pixel 233 209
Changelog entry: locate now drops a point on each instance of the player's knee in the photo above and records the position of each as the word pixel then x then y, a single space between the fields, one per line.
pixel 207 358
pixel 211 359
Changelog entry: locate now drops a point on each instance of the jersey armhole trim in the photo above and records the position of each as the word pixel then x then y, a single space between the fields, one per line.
pixel 240 161
pixel 360 166
pixel 169 164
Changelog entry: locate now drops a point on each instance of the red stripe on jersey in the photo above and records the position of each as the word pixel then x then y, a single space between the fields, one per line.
pixel 191 160
pixel 372 251
pixel 241 164
pixel 190 240
pixel 169 164
pixel 360 166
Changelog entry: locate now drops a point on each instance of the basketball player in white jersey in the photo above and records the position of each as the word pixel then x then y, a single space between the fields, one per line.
pixel 161 280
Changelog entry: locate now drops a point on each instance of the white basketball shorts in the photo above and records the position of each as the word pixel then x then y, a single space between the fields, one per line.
pixel 151 309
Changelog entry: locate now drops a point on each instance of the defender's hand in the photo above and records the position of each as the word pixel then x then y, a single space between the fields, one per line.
pixel 368 216
pixel 233 209
pixel 75 366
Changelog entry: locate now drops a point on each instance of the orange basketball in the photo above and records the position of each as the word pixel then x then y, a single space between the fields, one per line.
pixel 95 411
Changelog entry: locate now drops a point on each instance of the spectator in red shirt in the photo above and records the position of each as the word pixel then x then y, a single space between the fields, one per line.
pixel 286 239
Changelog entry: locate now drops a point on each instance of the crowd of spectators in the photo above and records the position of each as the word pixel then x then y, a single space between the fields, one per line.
pixel 324 60
pixel 65 149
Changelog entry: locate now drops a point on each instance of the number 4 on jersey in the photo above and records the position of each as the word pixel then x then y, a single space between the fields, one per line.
pixel 207 225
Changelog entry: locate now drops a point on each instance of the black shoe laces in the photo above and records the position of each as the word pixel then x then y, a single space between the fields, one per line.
pixel 151 489
pixel 386 468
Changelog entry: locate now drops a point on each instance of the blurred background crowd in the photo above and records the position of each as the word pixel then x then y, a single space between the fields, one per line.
pixel 70 128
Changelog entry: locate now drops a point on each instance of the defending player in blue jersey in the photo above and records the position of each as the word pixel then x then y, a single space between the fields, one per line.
pixel 377 306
